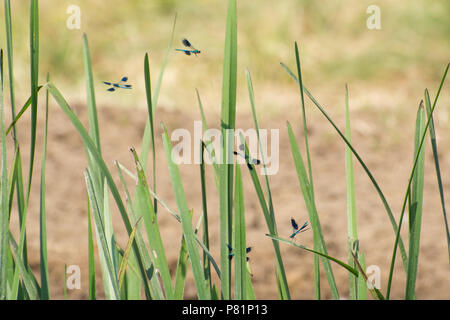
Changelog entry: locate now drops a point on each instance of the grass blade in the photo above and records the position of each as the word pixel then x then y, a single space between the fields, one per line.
pixel 203 291
pixel 436 163
pixel 311 181
pixel 9 50
pixel 126 255
pixel 144 208
pixel 205 233
pixel 145 147
pixel 268 210
pixel 4 196
pixel 34 56
pixel 148 91
pixel 92 282
pixel 208 142
pixel 363 279
pixel 106 257
pixel 45 282
pixel 92 105
pixel 415 213
pixel 352 227
pixel 228 118
pixel 180 274
pixel 21 112
pixel 239 243
pixel 312 211
pixel 339 262
pixel 29 282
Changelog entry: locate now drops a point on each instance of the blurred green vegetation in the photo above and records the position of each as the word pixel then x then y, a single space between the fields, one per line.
pixel 411 50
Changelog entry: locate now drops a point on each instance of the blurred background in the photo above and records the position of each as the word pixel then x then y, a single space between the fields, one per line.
pixel 387 71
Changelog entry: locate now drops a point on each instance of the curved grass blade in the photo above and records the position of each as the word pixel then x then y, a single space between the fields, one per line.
pixel 126 255
pixel 19 115
pixel 339 262
pixel 180 274
pixel 374 292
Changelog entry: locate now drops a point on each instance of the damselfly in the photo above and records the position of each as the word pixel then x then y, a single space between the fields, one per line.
pixel 296 229
pixel 122 84
pixel 231 254
pixel 246 157
pixel 191 49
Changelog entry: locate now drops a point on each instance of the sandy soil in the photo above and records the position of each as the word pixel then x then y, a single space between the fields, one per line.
pixel 389 156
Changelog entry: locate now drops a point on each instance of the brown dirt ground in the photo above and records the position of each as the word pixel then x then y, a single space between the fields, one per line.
pixel 388 156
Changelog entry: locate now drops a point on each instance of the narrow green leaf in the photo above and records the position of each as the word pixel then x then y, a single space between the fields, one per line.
pixel 239 243
pixel 339 262
pixel 352 227
pixel 311 208
pixel 92 105
pixel 205 233
pixel 34 63
pixel 45 282
pixel 19 115
pixel 32 290
pixel 9 50
pixel 92 282
pixel 4 196
pixel 228 118
pixel 267 206
pixel 415 213
pixel 186 222
pixel 208 142
pixel 108 270
pixel 376 294
pixel 124 263
pixel 148 92
pixel 311 181
pixel 436 162
pixel 144 208
pixel 145 147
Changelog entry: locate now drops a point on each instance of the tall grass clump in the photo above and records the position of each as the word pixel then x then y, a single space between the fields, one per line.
pixel 140 269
